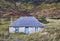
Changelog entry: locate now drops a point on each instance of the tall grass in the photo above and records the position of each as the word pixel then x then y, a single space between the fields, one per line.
pixel 53 29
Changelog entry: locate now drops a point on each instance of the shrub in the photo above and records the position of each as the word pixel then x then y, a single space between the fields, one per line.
pixel 43 20
pixel 54 18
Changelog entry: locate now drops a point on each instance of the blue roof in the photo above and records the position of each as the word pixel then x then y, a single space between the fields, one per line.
pixel 27 21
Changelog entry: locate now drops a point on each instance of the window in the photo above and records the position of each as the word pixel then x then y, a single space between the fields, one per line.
pixel 40 29
pixel 11 30
pixel 31 29
pixel 21 29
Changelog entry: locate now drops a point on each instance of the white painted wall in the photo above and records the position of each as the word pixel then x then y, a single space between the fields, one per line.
pixel 31 29
pixel 40 29
pixel 11 30
pixel 21 29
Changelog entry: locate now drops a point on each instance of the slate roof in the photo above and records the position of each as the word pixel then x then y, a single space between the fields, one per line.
pixel 27 21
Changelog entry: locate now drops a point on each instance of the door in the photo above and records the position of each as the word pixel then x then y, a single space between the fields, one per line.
pixel 36 29
pixel 26 30
pixel 17 29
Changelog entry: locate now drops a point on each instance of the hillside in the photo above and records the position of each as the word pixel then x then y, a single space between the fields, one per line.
pixel 37 8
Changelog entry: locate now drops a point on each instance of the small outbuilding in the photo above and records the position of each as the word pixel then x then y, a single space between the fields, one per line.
pixel 26 25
